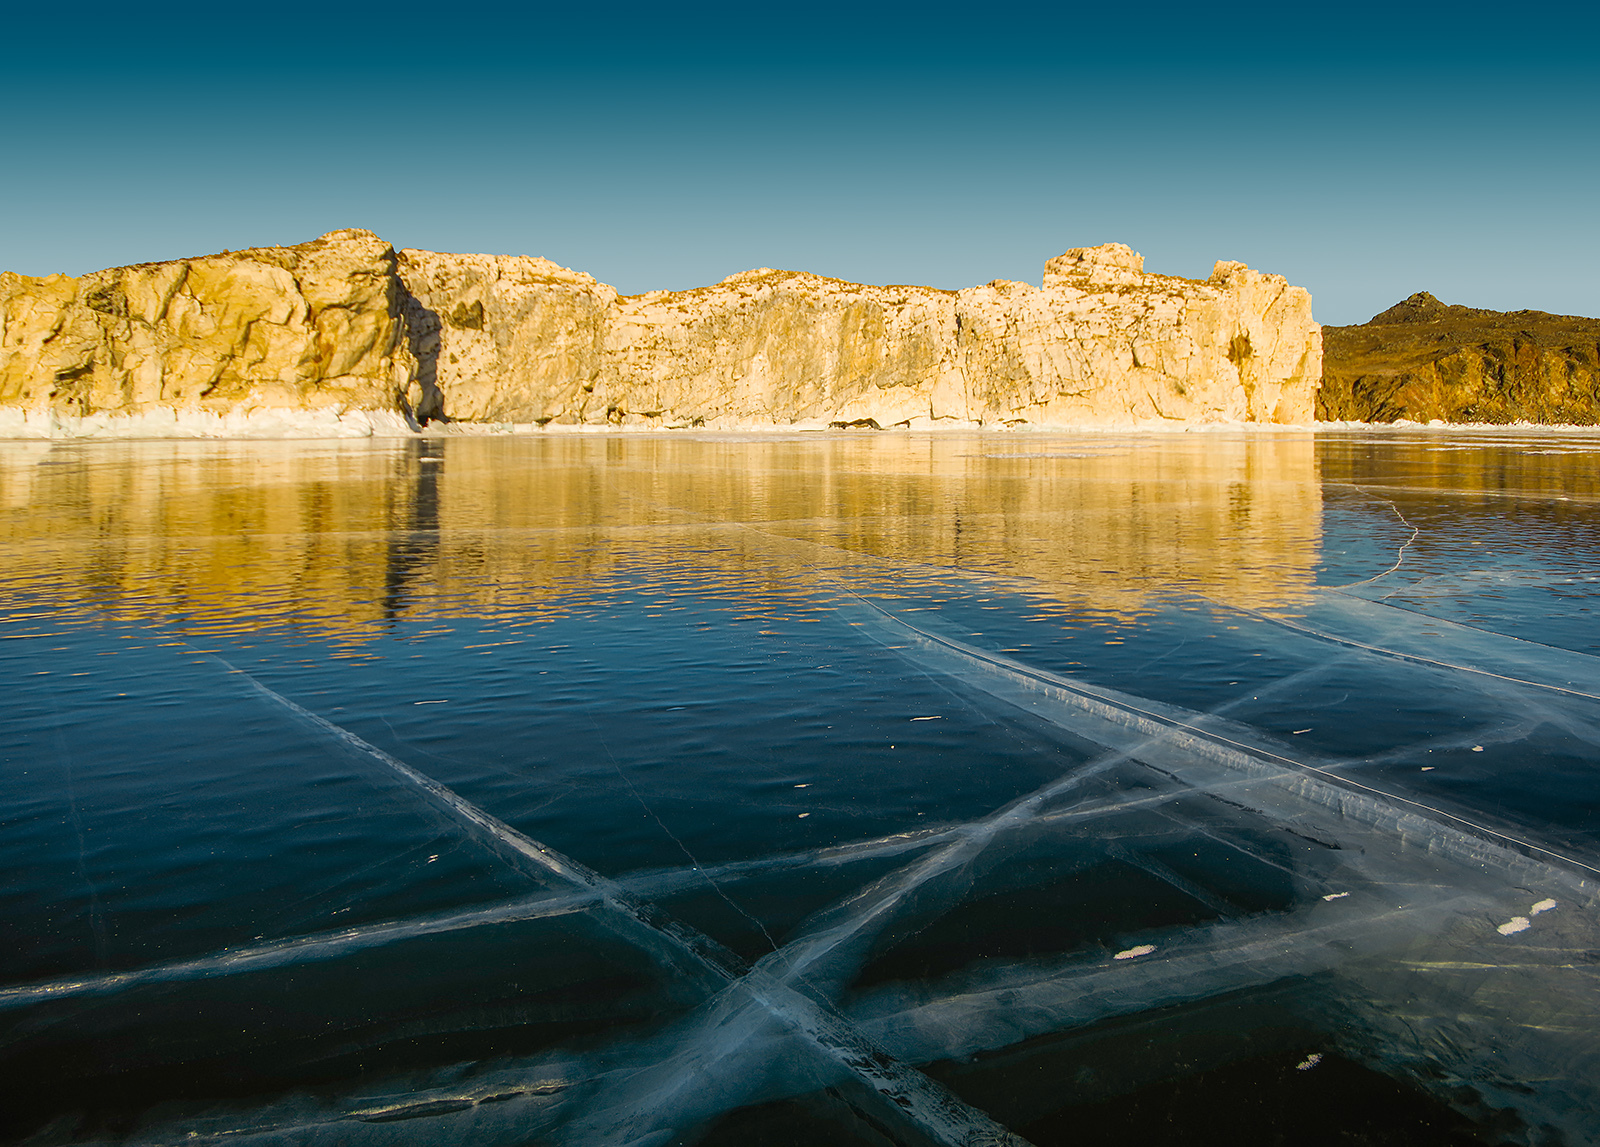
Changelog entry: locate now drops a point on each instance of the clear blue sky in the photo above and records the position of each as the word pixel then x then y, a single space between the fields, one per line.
pixel 1365 151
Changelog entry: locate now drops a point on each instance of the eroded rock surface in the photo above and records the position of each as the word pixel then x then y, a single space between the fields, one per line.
pixel 344 322
pixel 312 326
pixel 1423 360
pixel 524 340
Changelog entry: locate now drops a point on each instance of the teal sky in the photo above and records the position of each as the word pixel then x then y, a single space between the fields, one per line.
pixel 1364 151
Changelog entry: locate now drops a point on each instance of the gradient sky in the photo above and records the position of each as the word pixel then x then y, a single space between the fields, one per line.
pixel 1364 151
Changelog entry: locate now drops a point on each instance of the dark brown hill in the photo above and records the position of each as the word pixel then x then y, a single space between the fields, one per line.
pixel 1422 359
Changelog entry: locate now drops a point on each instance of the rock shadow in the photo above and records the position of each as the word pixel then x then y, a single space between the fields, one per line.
pixel 424 399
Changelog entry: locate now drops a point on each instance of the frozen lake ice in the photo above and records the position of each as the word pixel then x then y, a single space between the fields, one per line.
pixel 802 789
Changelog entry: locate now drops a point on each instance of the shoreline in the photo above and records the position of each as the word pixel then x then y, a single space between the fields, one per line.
pixel 166 424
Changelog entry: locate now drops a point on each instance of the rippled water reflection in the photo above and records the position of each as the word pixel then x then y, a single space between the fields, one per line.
pixel 845 789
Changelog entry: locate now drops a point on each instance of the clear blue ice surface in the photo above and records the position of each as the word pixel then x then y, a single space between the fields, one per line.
pixel 840 788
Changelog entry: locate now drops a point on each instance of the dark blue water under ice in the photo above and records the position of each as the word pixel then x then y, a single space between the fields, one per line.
pixel 847 789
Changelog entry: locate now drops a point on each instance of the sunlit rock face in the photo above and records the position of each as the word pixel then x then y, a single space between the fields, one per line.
pixel 343 323
pixel 503 337
pixel 1423 360
pixel 312 327
pixel 523 340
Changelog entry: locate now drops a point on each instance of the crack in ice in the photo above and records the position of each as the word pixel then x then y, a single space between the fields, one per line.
pixel 905 1093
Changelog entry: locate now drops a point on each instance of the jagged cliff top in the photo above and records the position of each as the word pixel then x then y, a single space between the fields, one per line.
pixel 283 255
pixel 1109 267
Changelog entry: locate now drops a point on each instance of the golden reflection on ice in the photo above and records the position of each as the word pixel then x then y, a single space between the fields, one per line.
pixel 342 539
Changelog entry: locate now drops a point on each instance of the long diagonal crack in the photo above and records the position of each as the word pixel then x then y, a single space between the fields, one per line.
pixel 1163 738
pixel 1196 745
pixel 1197 752
pixel 729 1038
pixel 646 885
pixel 903 1092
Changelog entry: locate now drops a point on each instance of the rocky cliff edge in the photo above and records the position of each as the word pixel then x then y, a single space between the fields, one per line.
pixel 346 323
pixel 309 327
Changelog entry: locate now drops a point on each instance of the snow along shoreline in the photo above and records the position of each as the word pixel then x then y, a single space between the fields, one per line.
pixel 334 423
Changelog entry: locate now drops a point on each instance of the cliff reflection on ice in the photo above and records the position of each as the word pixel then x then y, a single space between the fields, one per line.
pixel 1229 806
pixel 343 538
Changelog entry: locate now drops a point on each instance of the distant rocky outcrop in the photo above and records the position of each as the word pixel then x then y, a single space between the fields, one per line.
pixel 344 321
pixel 1423 360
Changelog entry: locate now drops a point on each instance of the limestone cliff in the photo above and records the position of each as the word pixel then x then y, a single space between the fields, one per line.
pixel 523 340
pixel 1423 360
pixel 307 327
pixel 344 322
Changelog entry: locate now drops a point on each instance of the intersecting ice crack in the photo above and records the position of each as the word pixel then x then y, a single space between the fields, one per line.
pixel 1199 735
pixel 1197 750
pixel 648 886
pixel 769 993
pixel 903 1093
pixel 659 1093
pixel 870 910
pixel 773 1009
pixel 726 1041
pixel 670 1088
